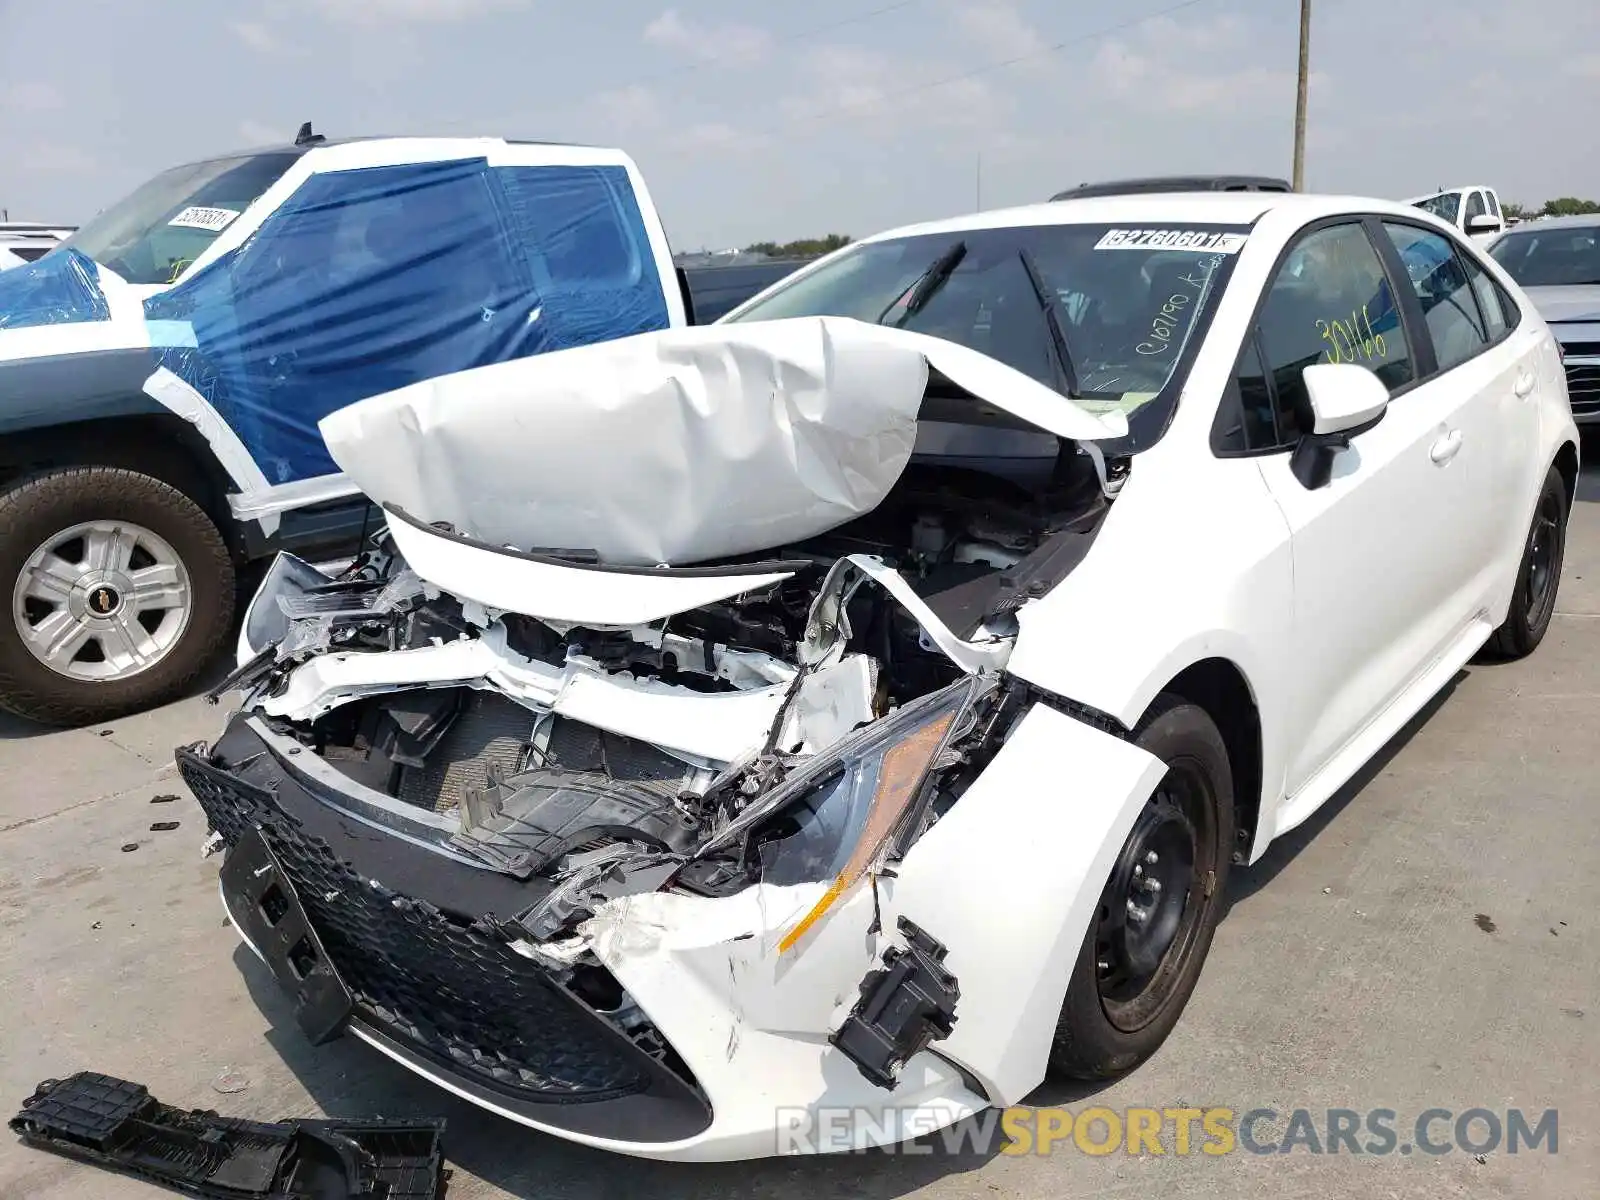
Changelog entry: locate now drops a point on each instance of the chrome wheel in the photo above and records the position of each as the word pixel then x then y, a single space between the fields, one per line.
pixel 102 600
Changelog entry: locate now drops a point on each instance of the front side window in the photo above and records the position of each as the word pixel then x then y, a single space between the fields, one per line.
pixel 162 227
pixel 1568 256
pixel 1102 314
pixel 1476 206
pixel 1440 283
pixel 1330 302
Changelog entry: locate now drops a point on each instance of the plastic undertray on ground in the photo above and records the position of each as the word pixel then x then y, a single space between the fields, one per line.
pixel 118 1125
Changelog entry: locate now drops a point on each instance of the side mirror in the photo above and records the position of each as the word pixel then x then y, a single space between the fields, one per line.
pixel 1483 223
pixel 1346 399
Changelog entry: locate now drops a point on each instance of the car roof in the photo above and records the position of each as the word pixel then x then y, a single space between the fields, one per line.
pixel 1575 221
pixel 1155 208
pixel 322 143
pixel 1176 183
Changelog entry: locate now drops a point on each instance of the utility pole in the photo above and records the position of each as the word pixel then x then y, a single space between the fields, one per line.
pixel 1300 98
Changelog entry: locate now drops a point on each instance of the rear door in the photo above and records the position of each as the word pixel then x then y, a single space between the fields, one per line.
pixel 1487 377
pixel 1383 553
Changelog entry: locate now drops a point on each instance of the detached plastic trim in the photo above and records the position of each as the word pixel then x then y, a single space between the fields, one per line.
pixel 115 1124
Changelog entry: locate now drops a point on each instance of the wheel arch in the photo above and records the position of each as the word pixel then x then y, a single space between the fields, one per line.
pixel 1566 463
pixel 1221 688
pixel 161 445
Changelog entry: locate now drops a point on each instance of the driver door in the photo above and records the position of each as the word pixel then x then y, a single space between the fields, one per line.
pixel 1382 554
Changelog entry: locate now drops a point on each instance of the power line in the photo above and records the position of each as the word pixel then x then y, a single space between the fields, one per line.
pixel 987 68
pixel 781 40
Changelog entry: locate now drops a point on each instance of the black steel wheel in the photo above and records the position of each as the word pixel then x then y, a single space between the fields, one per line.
pixel 1533 598
pixel 1142 956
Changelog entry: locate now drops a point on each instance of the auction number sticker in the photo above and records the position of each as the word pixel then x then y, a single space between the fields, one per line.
pixel 1171 239
pixel 214 219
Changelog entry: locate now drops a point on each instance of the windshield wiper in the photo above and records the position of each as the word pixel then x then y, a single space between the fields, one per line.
pixel 934 278
pixel 1047 303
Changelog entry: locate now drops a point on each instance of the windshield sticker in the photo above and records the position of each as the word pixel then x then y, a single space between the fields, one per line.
pixel 1352 340
pixel 214 219
pixel 1171 239
pixel 1177 310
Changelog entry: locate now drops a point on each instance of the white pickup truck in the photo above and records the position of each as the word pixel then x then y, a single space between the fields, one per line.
pixel 163 370
pixel 1474 209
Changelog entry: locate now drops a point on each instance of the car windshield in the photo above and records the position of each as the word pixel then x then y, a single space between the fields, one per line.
pixel 153 234
pixel 1442 206
pixel 1101 314
pixel 1551 257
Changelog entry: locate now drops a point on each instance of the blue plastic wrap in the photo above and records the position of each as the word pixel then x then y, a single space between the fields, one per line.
pixel 369 280
pixel 62 288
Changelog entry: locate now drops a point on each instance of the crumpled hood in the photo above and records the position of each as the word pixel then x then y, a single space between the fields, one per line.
pixel 1570 303
pixel 680 446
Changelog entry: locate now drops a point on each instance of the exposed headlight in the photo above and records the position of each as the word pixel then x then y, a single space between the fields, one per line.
pixel 842 814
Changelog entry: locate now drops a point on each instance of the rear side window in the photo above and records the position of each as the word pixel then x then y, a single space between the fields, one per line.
pixel 580 226
pixel 30 253
pixel 1494 204
pixel 1440 282
pixel 1494 319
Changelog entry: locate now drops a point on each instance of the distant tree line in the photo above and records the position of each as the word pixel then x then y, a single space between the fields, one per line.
pixel 803 248
pixel 1565 206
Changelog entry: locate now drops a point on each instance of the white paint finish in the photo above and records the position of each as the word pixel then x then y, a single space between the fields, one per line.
pixel 680 446
pixel 971 657
pixel 282 497
pixel 1343 396
pixel 184 401
pixel 1036 836
pixel 753 1025
pixel 719 726
pixel 603 599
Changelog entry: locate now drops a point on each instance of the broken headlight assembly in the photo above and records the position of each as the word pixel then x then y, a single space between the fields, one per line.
pixel 843 815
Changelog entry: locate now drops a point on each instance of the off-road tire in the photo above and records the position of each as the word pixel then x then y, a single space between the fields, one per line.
pixel 33 510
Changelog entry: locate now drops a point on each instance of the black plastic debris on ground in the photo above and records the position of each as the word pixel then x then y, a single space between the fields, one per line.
pixel 163 826
pixel 118 1125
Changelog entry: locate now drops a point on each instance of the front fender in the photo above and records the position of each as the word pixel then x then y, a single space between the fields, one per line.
pixel 1010 879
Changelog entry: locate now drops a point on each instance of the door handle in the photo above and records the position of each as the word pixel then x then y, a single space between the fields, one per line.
pixel 1524 385
pixel 1446 447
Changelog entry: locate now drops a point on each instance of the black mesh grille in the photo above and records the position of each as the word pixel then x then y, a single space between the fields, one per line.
pixel 430 981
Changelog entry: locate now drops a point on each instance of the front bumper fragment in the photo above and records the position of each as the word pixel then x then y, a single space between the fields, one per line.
pixel 422 973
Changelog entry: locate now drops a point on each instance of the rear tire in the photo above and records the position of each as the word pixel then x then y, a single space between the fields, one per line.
pixel 1142 956
pixel 1533 599
pixel 119 590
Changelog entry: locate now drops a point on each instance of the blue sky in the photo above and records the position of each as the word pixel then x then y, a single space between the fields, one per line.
pixel 758 120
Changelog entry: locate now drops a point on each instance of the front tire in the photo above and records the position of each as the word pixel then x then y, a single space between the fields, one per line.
pixel 1142 956
pixel 120 590
pixel 1533 599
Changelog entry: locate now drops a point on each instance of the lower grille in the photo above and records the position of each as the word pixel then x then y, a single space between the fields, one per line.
pixel 1583 386
pixel 426 980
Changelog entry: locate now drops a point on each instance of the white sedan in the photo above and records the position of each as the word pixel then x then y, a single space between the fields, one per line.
pixel 850 712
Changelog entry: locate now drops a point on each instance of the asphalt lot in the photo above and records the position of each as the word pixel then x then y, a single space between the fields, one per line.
pixel 1430 939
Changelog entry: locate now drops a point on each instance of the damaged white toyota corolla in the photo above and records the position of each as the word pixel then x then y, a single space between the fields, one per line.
pixel 857 705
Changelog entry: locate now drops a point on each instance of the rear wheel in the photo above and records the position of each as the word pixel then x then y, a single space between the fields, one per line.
pixel 121 589
pixel 1142 957
pixel 1533 601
